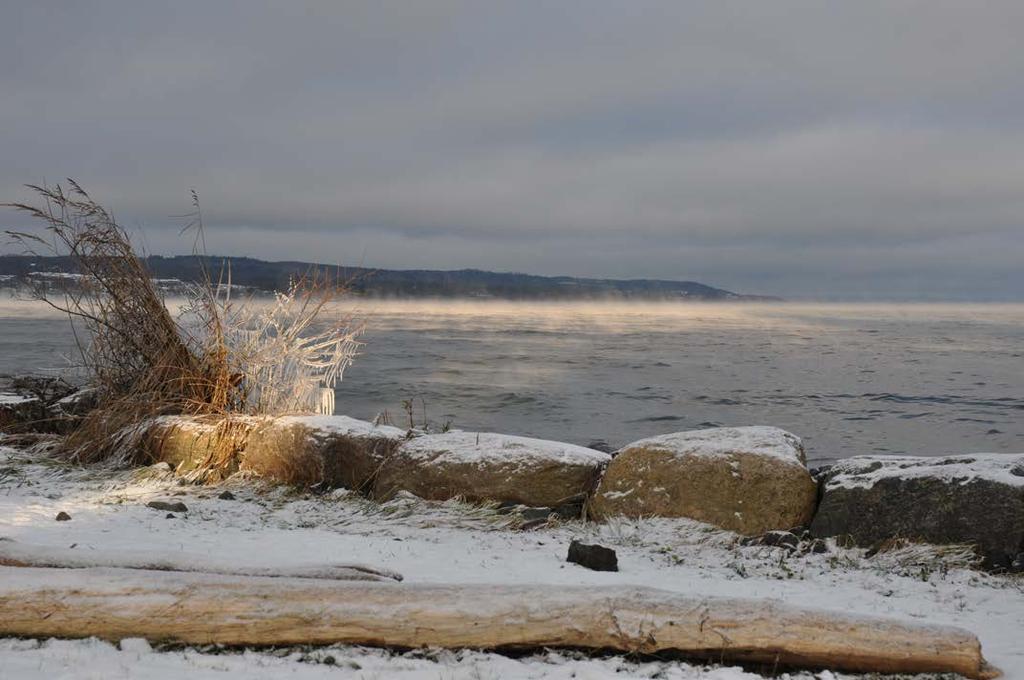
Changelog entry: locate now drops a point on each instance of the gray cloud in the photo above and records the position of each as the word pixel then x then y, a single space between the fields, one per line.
pixel 796 148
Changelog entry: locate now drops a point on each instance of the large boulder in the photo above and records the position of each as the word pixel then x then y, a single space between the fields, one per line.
pixel 193 444
pixel 746 479
pixel 480 466
pixel 324 451
pixel 976 499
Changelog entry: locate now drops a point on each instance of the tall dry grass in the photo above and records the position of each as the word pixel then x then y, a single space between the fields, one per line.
pixel 224 356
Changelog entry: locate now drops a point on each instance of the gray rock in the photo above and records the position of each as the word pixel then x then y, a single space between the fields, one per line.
pixel 572 508
pixel 976 499
pixel 533 524
pixel 167 506
pixel 20 414
pixel 596 557
pixel 27 404
pixel 78 403
pixel 817 546
pixel 531 514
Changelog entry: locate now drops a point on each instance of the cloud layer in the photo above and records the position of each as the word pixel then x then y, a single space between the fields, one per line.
pixel 868 149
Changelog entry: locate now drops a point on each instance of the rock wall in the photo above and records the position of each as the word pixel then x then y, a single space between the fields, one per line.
pixel 751 480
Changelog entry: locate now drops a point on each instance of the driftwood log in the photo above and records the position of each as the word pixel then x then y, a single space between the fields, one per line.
pixel 17 554
pixel 193 608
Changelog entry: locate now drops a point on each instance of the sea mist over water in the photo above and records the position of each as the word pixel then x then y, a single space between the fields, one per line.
pixel 923 379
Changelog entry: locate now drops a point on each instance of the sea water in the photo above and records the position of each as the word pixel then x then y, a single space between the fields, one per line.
pixel 920 379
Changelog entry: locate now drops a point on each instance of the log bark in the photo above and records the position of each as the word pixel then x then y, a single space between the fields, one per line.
pixel 194 608
pixel 17 554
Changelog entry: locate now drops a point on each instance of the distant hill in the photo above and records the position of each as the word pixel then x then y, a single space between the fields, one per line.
pixel 466 283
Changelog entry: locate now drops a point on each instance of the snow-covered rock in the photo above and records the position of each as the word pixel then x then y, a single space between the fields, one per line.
pixel 78 403
pixel 28 403
pixel 331 451
pixel 745 479
pixel 20 413
pixel 483 466
pixel 189 443
pixel 975 498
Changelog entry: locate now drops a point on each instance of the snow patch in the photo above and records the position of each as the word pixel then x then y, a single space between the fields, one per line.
pixel 135 645
pixel 95 659
pixel 759 440
pixel 863 472
pixel 343 425
pixel 11 399
pixel 486 447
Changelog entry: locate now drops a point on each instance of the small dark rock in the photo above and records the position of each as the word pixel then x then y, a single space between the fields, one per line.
pixel 63 516
pixel 170 515
pixel 533 524
pixel 817 546
pixel 782 539
pixel 819 472
pixel 569 511
pixel 572 507
pixel 226 496
pixel 176 506
pixel 1017 566
pixel 997 564
pixel 596 557
pixel 532 514
pixel 506 507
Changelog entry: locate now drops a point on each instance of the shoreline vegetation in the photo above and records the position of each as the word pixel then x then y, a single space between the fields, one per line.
pixel 229 393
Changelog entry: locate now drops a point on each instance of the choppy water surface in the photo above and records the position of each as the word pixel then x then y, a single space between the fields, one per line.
pixel 850 379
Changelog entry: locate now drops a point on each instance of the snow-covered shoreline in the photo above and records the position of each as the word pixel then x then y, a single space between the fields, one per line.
pixel 452 542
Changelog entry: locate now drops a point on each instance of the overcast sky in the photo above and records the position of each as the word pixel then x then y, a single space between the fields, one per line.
pixel 853 149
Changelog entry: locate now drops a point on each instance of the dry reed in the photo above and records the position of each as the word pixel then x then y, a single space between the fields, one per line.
pixel 222 358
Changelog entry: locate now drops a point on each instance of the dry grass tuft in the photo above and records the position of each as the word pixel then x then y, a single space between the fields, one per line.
pixel 223 357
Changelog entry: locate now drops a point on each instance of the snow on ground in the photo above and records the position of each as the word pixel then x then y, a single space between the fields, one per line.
pixel 134 659
pixel 456 543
